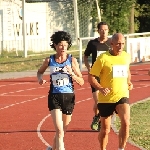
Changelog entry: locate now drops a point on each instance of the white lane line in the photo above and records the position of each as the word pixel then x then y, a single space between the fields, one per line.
pixel 42 87
pixel 141 75
pixel 3 94
pixel 34 99
pixel 139 87
pixel 144 69
pixel 14 83
pixel 38 130
pixel 22 82
pixel 30 99
pixel 43 120
pixel 83 88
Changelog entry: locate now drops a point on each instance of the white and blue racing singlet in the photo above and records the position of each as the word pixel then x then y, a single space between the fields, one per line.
pixel 61 81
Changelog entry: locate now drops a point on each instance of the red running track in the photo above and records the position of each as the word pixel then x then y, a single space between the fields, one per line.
pixel 26 123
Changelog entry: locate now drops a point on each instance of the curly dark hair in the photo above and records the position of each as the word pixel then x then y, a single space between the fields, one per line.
pixel 59 36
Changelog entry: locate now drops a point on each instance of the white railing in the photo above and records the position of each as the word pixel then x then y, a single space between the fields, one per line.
pixel 129 42
pixel 42 45
pixel 35 45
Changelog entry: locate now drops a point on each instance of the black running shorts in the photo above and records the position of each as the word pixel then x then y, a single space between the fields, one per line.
pixel 63 101
pixel 107 109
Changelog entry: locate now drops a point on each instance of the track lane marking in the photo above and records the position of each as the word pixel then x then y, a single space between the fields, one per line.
pixel 43 120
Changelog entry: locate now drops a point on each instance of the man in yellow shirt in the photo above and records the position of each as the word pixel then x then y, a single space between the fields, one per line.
pixel 112 67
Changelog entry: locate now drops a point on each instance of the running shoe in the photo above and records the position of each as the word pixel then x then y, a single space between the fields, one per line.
pixel 49 148
pixel 96 123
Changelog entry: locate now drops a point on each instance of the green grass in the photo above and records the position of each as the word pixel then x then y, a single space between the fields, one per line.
pixel 140 124
pixel 10 62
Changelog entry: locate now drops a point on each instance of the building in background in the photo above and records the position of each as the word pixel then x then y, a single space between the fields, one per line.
pixel 42 20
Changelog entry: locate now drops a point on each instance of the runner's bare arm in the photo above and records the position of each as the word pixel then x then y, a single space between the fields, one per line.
pixel 41 71
pixel 129 76
pixel 86 62
pixel 129 80
pixel 92 80
pixel 75 72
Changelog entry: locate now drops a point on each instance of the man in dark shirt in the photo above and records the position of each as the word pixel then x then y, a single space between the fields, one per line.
pixel 95 48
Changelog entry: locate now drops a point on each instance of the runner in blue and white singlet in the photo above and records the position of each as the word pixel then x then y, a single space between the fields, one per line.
pixel 61 81
pixel 64 69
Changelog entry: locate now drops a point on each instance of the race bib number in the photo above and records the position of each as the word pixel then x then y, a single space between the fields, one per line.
pixel 60 80
pixel 120 71
pixel 100 52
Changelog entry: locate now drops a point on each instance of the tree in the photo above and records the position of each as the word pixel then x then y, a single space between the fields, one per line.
pixel 117 13
pixel 143 16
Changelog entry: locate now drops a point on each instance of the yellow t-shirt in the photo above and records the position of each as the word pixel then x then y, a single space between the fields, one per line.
pixel 113 74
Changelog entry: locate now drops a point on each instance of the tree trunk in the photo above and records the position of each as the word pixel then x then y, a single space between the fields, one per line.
pixel 131 19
